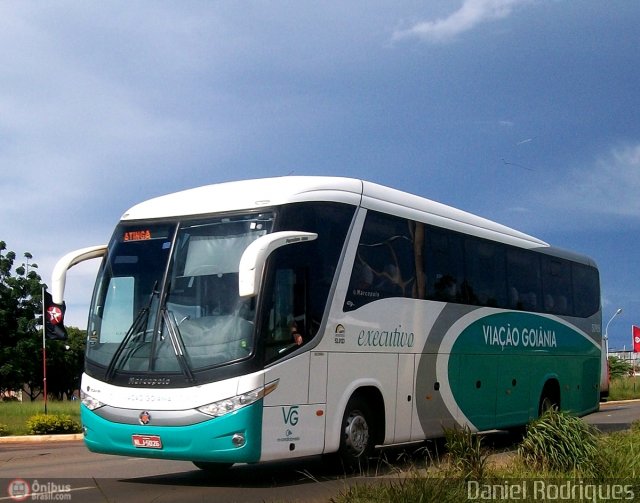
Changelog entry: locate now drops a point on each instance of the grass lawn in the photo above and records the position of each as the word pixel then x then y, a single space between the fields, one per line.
pixel 624 388
pixel 613 465
pixel 14 415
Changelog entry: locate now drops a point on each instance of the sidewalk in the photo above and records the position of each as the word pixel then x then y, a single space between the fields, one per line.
pixel 40 438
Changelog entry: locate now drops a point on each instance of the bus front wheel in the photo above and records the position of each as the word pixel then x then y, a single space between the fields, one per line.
pixel 357 434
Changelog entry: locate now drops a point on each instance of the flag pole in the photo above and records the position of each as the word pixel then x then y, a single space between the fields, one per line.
pixel 44 350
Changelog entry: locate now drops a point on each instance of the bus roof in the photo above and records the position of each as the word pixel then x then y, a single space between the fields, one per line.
pixel 268 192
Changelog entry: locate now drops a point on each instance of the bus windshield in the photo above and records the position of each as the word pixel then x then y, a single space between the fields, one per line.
pixel 166 298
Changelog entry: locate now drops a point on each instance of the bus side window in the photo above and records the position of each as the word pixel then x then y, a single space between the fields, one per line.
pixel 444 266
pixel 385 265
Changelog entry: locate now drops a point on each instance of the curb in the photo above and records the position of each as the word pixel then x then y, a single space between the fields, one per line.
pixel 618 402
pixel 32 439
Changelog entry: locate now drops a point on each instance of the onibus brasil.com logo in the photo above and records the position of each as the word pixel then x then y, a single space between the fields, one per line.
pixel 22 490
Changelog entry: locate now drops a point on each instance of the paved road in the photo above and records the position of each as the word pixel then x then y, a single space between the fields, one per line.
pixel 615 416
pixel 100 478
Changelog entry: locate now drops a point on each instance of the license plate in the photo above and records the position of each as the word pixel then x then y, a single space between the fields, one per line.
pixel 147 441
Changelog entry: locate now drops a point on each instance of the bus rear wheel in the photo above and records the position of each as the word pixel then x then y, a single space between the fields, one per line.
pixel 550 398
pixel 357 435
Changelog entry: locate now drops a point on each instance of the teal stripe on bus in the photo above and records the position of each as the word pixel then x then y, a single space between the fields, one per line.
pixel 208 441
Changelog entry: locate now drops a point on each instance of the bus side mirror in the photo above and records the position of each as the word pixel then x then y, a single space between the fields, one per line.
pixel 255 256
pixel 59 275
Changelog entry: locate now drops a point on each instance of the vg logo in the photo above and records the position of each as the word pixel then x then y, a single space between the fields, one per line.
pixel 290 415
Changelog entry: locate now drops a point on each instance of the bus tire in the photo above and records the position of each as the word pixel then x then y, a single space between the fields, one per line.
pixel 357 435
pixel 549 398
pixel 213 468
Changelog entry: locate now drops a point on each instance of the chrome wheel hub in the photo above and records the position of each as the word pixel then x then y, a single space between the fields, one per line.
pixel 357 433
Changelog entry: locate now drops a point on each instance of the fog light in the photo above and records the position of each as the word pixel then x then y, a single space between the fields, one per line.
pixel 238 440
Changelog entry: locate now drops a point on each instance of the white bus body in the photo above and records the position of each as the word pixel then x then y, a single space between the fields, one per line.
pixel 359 316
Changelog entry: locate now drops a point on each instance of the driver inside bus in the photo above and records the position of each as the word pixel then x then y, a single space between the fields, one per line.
pixel 295 335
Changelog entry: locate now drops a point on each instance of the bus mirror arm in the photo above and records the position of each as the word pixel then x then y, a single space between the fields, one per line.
pixel 255 257
pixel 59 275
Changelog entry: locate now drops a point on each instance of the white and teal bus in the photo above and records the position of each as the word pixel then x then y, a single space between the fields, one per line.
pixel 277 318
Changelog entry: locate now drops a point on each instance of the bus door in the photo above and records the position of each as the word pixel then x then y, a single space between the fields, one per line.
pixel 293 423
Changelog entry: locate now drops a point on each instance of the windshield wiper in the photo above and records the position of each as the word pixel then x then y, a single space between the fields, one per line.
pixel 177 343
pixel 134 330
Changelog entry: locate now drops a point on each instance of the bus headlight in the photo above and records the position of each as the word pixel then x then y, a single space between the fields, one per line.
pixel 89 402
pixel 234 403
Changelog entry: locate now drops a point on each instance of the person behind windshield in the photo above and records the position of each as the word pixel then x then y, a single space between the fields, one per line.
pixel 296 336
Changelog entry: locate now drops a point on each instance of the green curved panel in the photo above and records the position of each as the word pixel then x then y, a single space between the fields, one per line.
pixel 499 363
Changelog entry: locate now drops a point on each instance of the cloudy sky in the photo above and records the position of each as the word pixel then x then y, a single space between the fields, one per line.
pixel 522 111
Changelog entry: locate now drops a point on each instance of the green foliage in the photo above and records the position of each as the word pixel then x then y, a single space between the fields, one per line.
pixel 51 424
pixel 20 316
pixel 466 452
pixel 618 460
pixel 560 442
pixel 4 430
pixel 624 388
pixel 21 335
pixel 16 414
pixel 619 367
pixel 620 452
pixel 440 488
pixel 65 363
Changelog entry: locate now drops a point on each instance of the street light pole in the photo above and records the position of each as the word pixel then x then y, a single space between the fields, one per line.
pixel 606 328
pixel 44 352
pixel 604 359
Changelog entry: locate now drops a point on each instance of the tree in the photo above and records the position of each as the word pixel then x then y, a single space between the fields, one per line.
pixel 65 362
pixel 20 316
pixel 21 335
pixel 618 367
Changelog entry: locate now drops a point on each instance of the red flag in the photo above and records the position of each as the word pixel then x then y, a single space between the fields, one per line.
pixel 635 331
